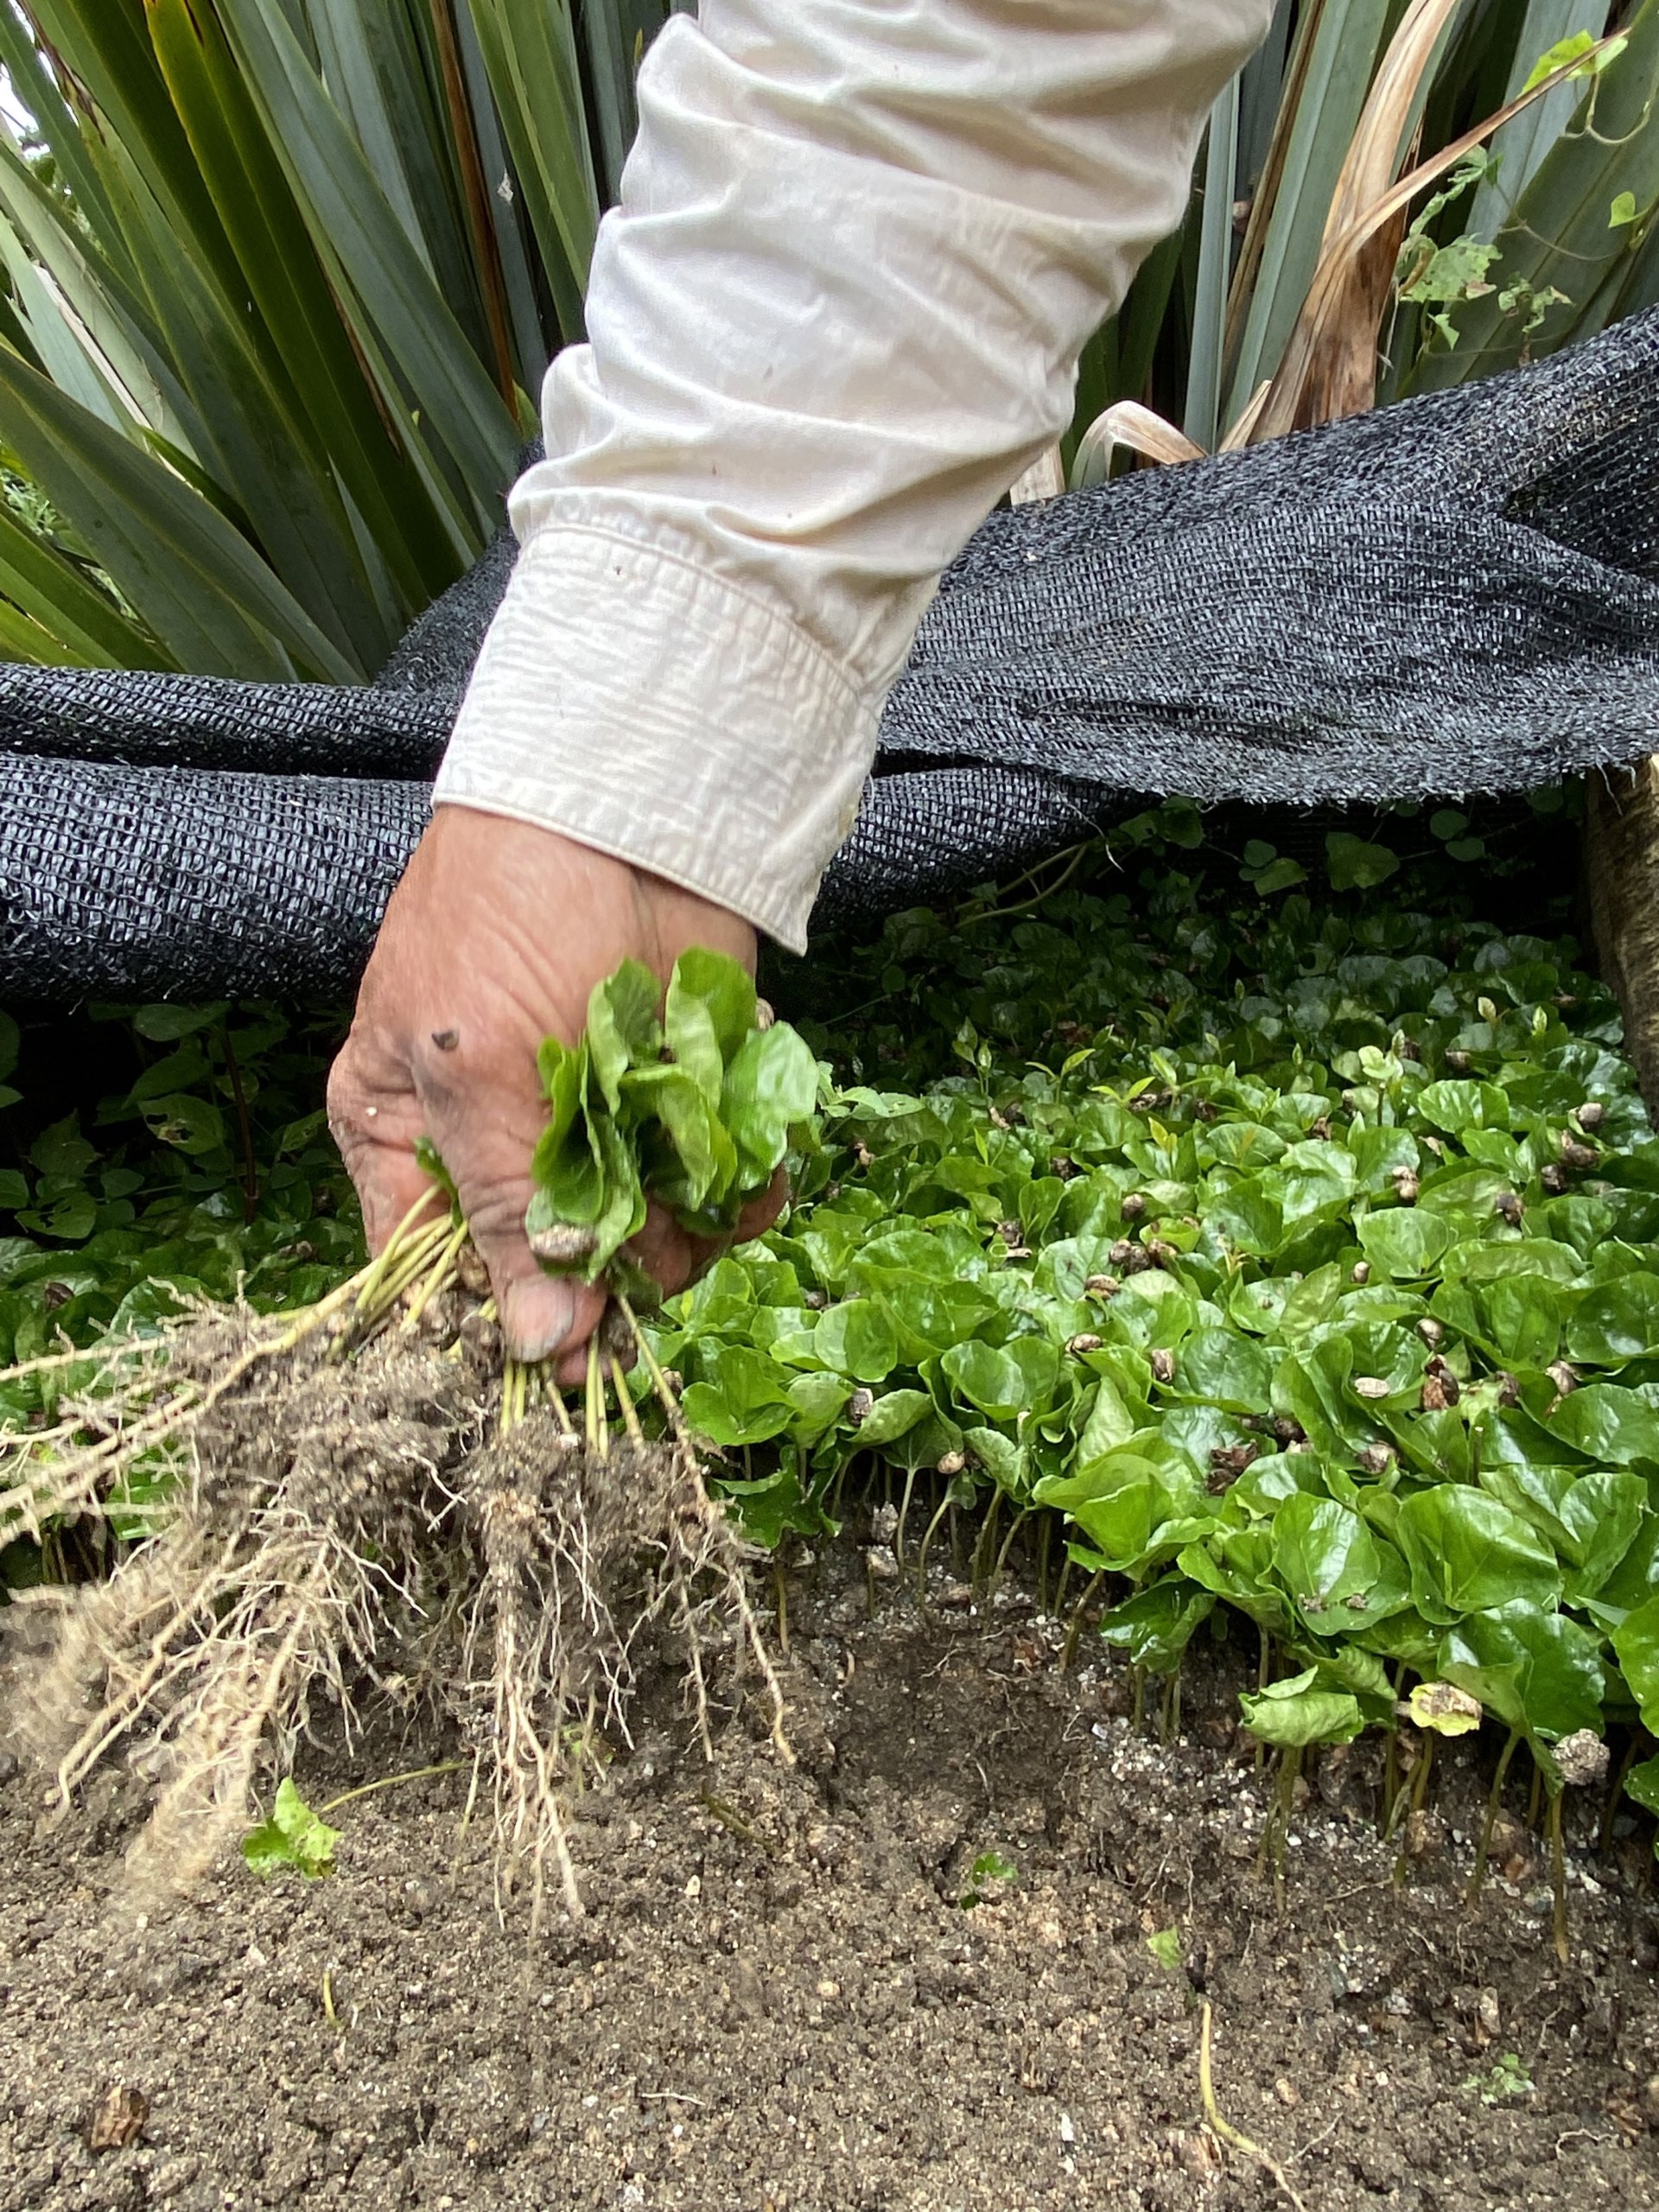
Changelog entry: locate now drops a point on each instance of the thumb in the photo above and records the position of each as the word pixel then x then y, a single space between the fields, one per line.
pixel 488 1156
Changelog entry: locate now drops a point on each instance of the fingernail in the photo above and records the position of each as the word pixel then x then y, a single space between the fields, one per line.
pixel 538 1315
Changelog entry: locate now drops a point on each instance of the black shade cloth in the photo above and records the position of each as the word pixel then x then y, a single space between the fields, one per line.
pixel 1458 594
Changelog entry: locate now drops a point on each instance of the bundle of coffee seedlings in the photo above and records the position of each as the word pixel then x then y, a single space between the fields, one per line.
pixel 366 1495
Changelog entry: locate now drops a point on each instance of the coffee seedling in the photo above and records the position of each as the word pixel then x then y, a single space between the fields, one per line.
pixel 367 1493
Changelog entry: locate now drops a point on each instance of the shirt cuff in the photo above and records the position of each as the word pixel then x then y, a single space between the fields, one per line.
pixel 646 707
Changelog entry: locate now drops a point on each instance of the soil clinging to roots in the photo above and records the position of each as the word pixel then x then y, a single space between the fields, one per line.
pixel 364 1500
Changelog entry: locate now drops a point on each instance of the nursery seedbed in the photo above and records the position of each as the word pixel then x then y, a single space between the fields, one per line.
pixel 917 1970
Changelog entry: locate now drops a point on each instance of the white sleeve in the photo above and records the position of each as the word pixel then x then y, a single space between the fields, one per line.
pixel 859 246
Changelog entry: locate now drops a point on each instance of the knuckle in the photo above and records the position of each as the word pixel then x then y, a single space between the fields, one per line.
pixel 495 1210
pixel 346 1104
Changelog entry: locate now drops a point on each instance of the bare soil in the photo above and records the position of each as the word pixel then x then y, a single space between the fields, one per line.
pixel 781 1995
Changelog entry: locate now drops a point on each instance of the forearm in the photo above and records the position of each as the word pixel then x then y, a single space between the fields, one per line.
pixel 840 309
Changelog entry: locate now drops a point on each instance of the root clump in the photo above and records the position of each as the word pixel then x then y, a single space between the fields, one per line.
pixel 362 1501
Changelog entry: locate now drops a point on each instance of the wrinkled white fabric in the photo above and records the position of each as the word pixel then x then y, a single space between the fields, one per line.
pixel 859 246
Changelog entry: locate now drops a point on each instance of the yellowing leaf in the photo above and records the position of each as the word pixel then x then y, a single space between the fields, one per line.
pixel 1445 1708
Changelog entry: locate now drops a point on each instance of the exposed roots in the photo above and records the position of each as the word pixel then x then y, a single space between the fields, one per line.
pixel 360 1500
pixel 583 1553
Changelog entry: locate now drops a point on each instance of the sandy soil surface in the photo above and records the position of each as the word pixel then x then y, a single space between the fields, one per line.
pixel 808 1988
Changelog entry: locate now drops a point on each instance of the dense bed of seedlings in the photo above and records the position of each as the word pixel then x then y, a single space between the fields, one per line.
pixel 1288 1255
pixel 1300 1250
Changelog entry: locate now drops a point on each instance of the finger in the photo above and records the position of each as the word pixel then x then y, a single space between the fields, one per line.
pixel 757 1216
pixel 664 1250
pixel 677 1259
pixel 485 1118
pixel 376 1125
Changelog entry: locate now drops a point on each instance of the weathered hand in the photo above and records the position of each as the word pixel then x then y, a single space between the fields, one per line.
pixel 492 940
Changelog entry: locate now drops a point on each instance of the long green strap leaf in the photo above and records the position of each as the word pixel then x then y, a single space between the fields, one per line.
pixel 366 249
pixel 292 293
pixel 102 295
pixel 1561 235
pixel 256 441
pixel 529 53
pixel 51 338
pixel 105 45
pixel 1346 41
pixel 36 91
pixel 203 591
pixel 532 343
pixel 1202 419
pixel 81 625
pixel 23 638
pixel 381 65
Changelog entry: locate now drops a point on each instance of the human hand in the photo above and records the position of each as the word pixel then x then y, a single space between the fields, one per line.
pixel 494 939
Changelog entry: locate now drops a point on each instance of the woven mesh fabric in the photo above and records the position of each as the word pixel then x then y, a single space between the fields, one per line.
pixel 190 882
pixel 1458 595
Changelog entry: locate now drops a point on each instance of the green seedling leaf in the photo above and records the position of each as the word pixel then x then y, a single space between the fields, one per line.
pixel 1405 1240
pixel 1611 1425
pixel 1338 1574
pixel 1353 865
pixel 1003 1382
pixel 623 1030
pixel 293 1836
pixel 1538 1671
pixel 1504 2083
pixel 746 1401
pixel 1157 1624
pixel 1165 1947
pixel 1642 1785
pixel 891 1415
pixel 990 1874
pixel 710 1010
pixel 1635 1645
pixel 1468 1554
pixel 1615 1322
pixel 769 1091
pixel 1294 1712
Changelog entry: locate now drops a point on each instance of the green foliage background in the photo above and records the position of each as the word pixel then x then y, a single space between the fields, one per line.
pixel 278 283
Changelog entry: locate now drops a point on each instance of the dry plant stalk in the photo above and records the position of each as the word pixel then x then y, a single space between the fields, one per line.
pixel 367 1499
